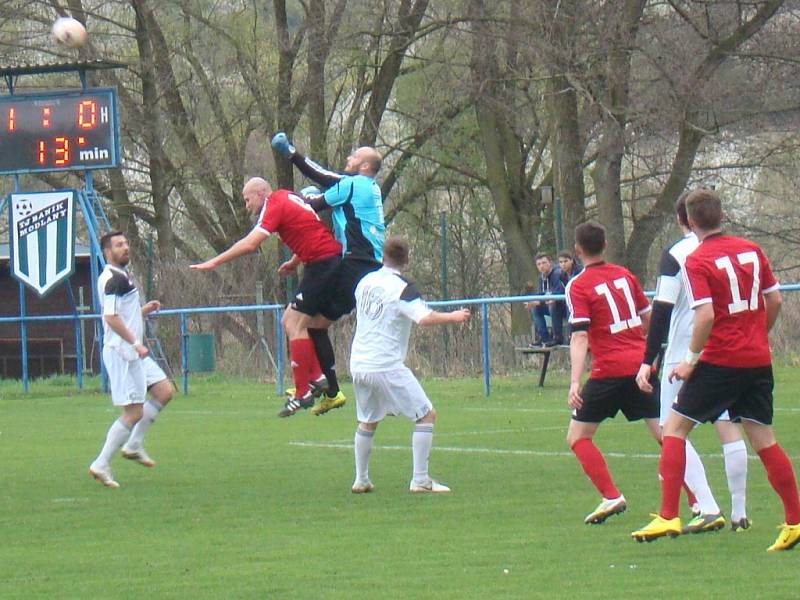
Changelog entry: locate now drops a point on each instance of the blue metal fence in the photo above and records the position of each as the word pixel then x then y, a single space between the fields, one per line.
pixel 277 309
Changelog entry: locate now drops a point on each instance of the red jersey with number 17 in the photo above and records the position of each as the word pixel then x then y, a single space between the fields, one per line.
pixel 298 226
pixel 609 298
pixel 733 275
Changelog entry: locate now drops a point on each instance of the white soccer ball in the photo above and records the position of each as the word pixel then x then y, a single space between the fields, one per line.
pixel 69 32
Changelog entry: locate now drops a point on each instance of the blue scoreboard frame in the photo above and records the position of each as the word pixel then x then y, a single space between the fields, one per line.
pixel 59 131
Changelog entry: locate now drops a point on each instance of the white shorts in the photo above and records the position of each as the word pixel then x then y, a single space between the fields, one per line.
pixel 130 379
pixel 669 393
pixel 395 392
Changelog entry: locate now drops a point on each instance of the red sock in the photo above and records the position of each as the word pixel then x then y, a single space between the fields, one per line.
pixel 671 468
pixel 781 477
pixel 304 361
pixel 594 465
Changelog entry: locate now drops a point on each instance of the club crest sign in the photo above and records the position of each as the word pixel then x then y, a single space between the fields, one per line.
pixel 42 236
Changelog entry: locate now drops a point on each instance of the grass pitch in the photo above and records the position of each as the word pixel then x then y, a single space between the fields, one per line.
pixel 245 505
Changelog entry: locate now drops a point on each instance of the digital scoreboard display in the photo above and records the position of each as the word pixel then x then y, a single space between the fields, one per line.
pixel 59 131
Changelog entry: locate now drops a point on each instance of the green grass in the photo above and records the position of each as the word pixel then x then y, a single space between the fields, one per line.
pixel 236 509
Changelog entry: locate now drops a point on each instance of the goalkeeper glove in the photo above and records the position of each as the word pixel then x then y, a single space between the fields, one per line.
pixel 282 145
pixel 310 192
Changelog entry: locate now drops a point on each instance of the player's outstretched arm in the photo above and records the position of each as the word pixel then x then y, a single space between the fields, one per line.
pixel 316 173
pixel 246 245
pixel 442 318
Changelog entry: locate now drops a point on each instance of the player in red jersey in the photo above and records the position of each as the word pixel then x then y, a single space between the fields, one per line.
pixel 298 226
pixel 609 314
pixel 728 365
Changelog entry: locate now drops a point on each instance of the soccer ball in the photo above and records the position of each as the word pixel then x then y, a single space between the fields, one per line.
pixel 69 32
pixel 24 208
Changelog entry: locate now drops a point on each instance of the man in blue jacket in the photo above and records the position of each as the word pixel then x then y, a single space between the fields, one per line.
pixel 549 283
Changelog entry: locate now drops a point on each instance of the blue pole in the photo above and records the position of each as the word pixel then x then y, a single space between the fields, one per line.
pixel 23 334
pixel 485 348
pixel 278 351
pixel 95 257
pixel 184 357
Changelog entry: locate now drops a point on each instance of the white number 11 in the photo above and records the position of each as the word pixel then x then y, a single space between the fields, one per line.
pixel 619 323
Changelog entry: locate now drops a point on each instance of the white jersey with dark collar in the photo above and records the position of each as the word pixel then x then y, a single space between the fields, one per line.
pixel 671 289
pixel 119 296
pixel 386 305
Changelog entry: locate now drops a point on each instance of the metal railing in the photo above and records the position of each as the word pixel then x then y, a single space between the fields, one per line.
pixel 277 310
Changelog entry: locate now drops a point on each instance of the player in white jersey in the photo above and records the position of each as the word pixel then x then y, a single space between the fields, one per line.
pixel 671 305
pixel 131 372
pixel 386 306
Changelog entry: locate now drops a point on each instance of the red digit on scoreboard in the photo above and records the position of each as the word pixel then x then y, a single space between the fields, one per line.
pixel 12 119
pixel 41 155
pixel 62 151
pixel 87 114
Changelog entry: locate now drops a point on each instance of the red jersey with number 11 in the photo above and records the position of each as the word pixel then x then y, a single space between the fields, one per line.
pixel 733 275
pixel 609 298
pixel 298 226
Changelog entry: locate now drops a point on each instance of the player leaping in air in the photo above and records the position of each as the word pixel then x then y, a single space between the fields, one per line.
pixel 284 213
pixel 357 204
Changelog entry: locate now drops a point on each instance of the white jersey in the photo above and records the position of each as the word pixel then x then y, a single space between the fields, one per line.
pixel 670 289
pixel 386 305
pixel 119 296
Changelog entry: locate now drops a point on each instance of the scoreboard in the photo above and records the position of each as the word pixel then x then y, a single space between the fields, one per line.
pixel 59 131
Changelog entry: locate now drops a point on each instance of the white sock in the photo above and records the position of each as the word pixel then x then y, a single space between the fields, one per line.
pixel 736 470
pixel 116 436
pixel 421 442
pixel 695 477
pixel 150 411
pixel 363 448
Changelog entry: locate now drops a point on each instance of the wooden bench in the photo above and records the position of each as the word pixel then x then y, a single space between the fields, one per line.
pixel 545 353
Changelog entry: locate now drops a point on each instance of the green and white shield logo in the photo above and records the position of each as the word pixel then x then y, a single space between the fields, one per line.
pixel 42 238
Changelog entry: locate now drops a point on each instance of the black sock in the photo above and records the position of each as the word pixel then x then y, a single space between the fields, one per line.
pixel 327 360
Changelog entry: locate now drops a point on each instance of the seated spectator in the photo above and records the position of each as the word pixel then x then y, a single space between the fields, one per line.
pixel 568 265
pixel 549 283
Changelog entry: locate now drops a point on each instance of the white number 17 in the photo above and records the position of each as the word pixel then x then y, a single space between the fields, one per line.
pixel 738 304
pixel 619 323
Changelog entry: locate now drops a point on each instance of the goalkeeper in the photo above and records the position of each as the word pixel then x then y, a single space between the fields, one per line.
pixel 357 213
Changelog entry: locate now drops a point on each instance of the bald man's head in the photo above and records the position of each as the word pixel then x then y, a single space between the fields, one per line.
pixel 255 191
pixel 364 161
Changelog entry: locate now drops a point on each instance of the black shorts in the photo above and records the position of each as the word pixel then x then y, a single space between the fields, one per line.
pixel 314 294
pixel 746 393
pixel 351 270
pixel 603 398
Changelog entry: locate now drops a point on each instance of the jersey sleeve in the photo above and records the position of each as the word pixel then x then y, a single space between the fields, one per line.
pixel 769 282
pixel 578 303
pixel 270 217
pixel 316 173
pixel 668 285
pixel 115 287
pixel 695 277
pixel 412 305
pixel 339 193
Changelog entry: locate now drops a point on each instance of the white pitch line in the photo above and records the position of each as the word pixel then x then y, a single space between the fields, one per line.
pixel 501 451
pixel 468 450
